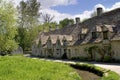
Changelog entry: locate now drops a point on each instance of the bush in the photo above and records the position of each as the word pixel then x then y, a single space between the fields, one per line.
pixel 79 58
pixel 107 58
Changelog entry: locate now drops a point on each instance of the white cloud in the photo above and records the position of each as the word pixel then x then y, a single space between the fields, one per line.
pixel 99 5
pixel 84 15
pixel 52 3
pixel 58 16
pixel 116 5
pixel 87 14
pixel 47 4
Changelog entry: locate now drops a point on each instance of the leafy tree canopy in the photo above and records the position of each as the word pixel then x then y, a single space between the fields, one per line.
pixel 65 22
pixel 8 28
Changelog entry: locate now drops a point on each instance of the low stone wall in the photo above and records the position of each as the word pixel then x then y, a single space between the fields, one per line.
pixel 116 48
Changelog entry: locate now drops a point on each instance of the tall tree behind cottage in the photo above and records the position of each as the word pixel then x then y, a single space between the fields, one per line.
pixel 28 19
pixel 33 12
pixel 29 13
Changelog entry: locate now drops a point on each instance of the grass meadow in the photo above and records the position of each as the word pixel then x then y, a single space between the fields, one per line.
pixel 21 68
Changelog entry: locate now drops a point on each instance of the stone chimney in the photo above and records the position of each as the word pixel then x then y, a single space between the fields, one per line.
pixel 77 20
pixel 99 11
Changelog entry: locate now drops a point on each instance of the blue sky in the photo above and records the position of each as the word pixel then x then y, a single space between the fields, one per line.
pixel 74 8
pixel 83 5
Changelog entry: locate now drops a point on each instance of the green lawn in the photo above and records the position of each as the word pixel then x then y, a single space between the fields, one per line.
pixel 21 68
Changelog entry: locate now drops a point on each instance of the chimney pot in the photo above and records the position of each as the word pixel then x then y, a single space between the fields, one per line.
pixel 99 11
pixel 77 20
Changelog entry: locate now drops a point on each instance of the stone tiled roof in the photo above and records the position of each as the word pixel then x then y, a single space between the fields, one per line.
pixel 107 21
pixel 100 28
pixel 116 36
pixel 99 38
pixel 54 38
pixel 67 30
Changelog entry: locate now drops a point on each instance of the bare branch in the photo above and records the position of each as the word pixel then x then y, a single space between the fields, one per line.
pixel 47 18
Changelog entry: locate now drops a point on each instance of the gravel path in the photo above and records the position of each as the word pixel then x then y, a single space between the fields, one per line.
pixel 110 66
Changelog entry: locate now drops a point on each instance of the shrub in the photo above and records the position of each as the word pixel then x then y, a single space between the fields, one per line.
pixel 107 58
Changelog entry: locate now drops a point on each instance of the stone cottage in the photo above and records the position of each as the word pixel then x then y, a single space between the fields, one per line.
pixel 95 38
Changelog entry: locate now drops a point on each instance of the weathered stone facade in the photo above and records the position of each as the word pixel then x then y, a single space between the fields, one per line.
pixel 95 38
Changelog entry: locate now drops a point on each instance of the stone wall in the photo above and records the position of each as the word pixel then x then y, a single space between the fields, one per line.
pixel 116 48
pixel 79 51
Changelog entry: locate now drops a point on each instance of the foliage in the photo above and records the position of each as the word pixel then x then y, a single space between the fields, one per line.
pixel 8 28
pixel 47 18
pixel 106 55
pixel 80 58
pixel 21 68
pixel 29 13
pixel 89 50
pixel 107 58
pixel 65 22
pixel 111 76
pixel 27 23
pixel 46 26
pixel 26 37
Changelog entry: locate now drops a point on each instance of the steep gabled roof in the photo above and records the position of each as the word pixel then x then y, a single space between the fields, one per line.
pixel 108 20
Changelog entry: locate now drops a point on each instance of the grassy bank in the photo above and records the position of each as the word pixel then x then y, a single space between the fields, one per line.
pixel 105 74
pixel 21 68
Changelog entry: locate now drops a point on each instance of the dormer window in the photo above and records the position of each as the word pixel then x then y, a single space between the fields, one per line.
pixel 83 33
pixel 105 35
pixel 49 41
pixel 115 29
pixel 64 43
pixel 94 35
pixel 81 36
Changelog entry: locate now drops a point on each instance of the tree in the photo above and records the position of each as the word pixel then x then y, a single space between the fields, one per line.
pixel 27 23
pixel 65 22
pixel 29 13
pixel 8 29
pixel 47 18
pixel 33 14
